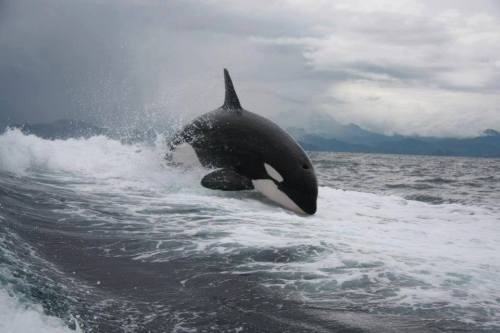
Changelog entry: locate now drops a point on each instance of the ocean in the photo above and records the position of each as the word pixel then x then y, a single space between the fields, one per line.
pixel 101 236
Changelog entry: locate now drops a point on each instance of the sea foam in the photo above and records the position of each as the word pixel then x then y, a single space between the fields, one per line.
pixel 18 317
pixel 389 252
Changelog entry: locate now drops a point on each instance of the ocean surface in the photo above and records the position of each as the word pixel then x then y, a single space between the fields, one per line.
pixel 100 236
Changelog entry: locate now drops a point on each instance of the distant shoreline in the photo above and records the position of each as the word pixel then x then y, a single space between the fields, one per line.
pixel 353 139
pixel 344 139
pixel 399 154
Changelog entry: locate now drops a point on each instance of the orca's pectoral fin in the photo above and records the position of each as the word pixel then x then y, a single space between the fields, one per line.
pixel 226 180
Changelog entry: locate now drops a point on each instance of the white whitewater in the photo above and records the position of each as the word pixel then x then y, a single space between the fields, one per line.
pixel 393 252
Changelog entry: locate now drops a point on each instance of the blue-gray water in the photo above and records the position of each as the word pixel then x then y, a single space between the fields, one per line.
pixel 99 236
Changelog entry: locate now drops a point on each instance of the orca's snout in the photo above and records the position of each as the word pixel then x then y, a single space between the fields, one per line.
pixel 310 208
pixel 308 197
pixel 307 203
pixel 304 197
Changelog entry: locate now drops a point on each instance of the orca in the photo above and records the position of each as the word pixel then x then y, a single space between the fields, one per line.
pixel 245 151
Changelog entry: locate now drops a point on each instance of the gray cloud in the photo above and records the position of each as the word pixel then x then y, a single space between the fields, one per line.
pixel 412 67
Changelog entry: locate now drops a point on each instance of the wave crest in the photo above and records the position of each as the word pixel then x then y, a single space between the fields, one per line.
pixel 97 156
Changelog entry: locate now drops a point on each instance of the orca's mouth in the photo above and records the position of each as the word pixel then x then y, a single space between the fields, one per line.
pixel 305 200
pixel 308 207
pixel 311 210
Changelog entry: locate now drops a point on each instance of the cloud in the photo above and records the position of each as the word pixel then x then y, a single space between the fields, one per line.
pixel 414 110
pixel 408 66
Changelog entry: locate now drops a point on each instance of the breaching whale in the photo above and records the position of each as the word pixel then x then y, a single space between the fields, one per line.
pixel 246 151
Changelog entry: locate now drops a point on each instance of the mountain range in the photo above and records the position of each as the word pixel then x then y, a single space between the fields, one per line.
pixel 319 133
pixel 323 133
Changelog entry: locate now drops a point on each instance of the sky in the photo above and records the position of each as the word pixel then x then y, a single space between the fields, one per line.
pixel 403 66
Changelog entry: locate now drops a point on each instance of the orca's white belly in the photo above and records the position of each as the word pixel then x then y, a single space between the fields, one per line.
pixel 272 192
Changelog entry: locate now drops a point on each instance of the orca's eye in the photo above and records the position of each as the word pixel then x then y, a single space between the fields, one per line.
pixel 305 166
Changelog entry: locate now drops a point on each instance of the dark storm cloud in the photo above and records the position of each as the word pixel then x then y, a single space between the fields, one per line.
pixel 57 59
pixel 117 61
pixel 396 66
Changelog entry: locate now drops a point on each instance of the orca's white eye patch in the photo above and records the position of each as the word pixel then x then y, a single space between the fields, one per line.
pixel 273 173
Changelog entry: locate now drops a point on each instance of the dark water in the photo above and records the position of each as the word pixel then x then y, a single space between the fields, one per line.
pixel 102 237
pixel 437 180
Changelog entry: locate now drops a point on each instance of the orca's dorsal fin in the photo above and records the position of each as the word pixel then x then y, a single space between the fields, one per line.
pixel 231 102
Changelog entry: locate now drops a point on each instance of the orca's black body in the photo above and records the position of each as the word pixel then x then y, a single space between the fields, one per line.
pixel 249 151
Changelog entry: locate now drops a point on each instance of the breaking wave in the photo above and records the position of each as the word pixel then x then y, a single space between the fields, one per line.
pixel 373 254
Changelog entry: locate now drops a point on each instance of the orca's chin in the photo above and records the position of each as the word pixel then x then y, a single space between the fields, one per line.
pixel 309 210
pixel 304 210
pixel 272 192
pixel 304 200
